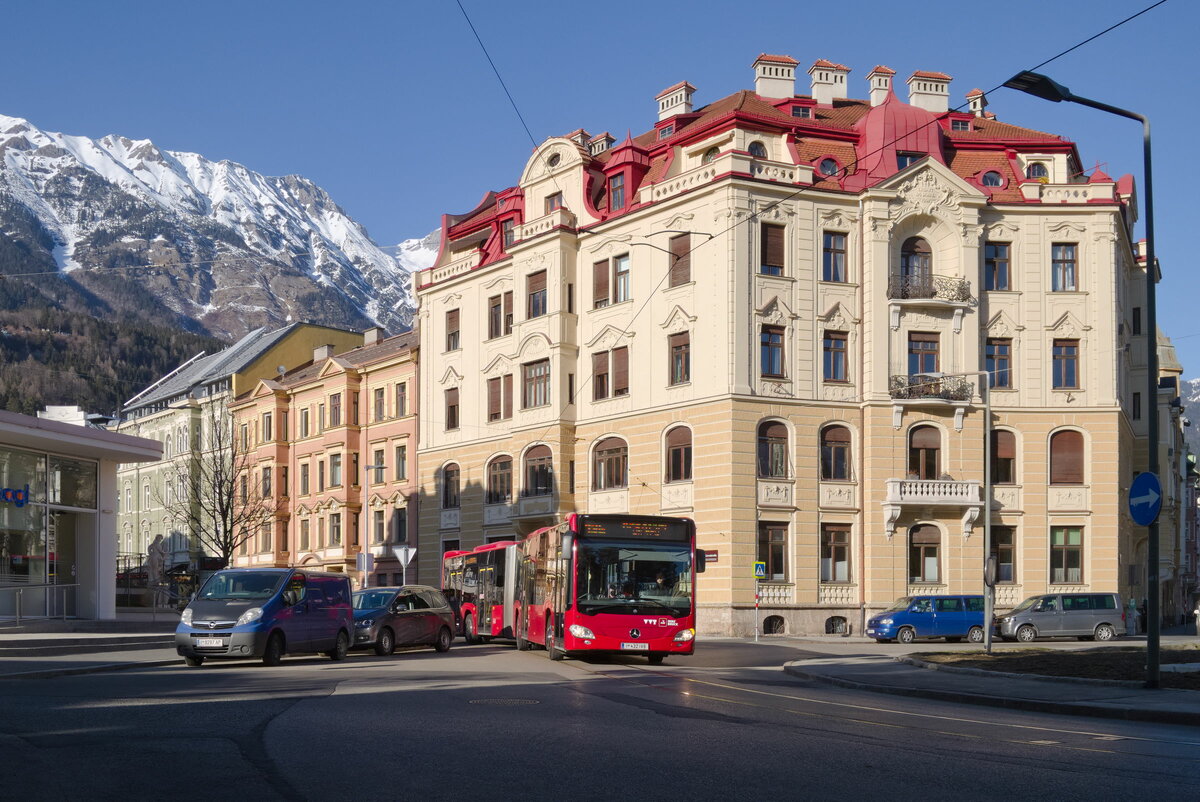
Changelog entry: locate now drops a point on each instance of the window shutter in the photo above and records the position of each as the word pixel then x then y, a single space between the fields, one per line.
pixel 772 245
pixel 620 371
pixel 680 339
pixel 452 320
pixel 925 534
pixel 836 434
pixel 1066 459
pixel 493 398
pixel 507 400
pixel 508 304
pixel 1004 445
pixel 537 281
pixel 679 436
pixel 599 364
pixel 537 452
pixel 600 283
pixel 774 430
pixel 610 443
pixel 926 437
pixel 681 259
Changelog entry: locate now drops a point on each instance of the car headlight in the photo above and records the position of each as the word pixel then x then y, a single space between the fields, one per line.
pixel 887 622
pixel 685 635
pixel 579 631
pixel 186 618
pixel 1006 620
pixel 364 622
pixel 253 614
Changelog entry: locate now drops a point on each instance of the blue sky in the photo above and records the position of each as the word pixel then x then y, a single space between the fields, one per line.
pixel 393 108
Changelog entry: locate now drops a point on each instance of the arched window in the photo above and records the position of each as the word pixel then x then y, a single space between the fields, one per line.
pixel 709 155
pixel 499 481
pixel 772 450
pixel 610 464
pixel 1066 458
pixel 835 453
pixel 828 167
pixel 916 259
pixel 539 472
pixel 679 454
pixel 1036 170
pixel 758 150
pixel 992 179
pixel 924 542
pixel 450 486
pixel 1004 457
pixel 924 448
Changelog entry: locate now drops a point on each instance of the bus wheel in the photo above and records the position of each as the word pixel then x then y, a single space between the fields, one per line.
pixel 552 650
pixel 469 629
pixel 655 659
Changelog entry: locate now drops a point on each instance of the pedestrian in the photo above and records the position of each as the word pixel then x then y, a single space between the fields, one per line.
pixel 1196 616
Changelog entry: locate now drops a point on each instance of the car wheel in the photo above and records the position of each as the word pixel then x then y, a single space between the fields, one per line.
pixel 655 659
pixel 906 635
pixel 274 651
pixel 1105 632
pixel 975 635
pixel 442 644
pixel 469 629
pixel 522 641
pixel 340 647
pixel 193 661
pixel 386 643
pixel 1026 633
pixel 552 650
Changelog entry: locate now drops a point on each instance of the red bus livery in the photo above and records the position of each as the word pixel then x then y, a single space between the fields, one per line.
pixel 479 586
pixel 609 583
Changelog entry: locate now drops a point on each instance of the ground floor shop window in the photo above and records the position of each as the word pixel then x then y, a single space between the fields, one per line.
pixel 772 549
pixel 1066 555
pixel 924 543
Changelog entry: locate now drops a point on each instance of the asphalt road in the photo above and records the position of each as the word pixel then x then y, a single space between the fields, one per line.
pixel 488 722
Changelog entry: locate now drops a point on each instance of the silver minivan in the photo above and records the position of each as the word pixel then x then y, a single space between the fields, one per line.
pixel 1087 616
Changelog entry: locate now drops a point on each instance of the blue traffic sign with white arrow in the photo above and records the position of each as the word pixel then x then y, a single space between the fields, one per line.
pixel 1145 498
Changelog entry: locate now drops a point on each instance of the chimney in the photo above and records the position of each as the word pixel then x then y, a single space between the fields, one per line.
pixel 674 100
pixel 929 91
pixel 880 81
pixel 322 352
pixel 977 101
pixel 600 143
pixel 775 76
pixel 828 81
pixel 373 335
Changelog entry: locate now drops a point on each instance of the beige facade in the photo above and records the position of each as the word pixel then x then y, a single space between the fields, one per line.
pixel 825 286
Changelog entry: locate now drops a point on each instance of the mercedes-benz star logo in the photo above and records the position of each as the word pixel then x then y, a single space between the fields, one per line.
pixel 635 633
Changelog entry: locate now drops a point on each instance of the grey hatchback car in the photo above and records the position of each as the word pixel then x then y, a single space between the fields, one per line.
pixel 385 618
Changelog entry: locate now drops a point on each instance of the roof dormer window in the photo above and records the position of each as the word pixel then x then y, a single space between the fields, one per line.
pixel 960 125
pixel 905 159
pixel 1037 171
pixel 666 131
pixel 992 179
pixel 828 166
pixel 758 150
pixel 710 154
pixel 803 112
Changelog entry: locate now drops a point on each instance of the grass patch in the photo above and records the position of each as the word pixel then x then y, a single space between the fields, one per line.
pixel 1120 663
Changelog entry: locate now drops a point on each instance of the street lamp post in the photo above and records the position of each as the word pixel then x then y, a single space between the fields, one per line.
pixel 1041 86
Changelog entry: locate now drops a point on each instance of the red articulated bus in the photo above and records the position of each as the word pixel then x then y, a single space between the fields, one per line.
pixel 480 589
pixel 622 584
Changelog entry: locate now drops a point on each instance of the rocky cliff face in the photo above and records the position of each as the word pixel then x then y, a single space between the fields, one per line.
pixel 214 246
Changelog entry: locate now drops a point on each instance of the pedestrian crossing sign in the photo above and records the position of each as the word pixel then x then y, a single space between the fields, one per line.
pixel 760 570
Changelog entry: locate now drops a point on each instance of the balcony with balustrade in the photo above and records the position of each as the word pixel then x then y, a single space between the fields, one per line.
pixel 910 494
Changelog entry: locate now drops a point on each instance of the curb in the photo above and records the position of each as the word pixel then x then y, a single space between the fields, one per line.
pixel 1011 703
pixel 93 669
pixel 983 672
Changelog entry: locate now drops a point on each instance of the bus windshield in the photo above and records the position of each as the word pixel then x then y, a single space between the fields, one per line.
pixel 634 578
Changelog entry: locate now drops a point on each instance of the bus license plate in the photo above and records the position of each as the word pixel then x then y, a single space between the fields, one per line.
pixel 636 647
pixel 213 642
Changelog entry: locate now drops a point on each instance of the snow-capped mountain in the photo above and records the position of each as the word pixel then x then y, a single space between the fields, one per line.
pixel 213 242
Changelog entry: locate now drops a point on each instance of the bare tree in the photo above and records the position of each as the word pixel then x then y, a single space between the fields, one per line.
pixel 218 496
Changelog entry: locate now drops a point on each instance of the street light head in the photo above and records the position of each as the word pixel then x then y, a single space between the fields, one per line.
pixel 1038 85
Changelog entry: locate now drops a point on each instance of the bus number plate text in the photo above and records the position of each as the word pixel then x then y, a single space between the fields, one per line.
pixel 636 647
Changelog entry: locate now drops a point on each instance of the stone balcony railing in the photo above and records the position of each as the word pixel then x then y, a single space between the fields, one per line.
pixel 776 593
pixel 921 386
pixel 922 287
pixel 902 493
pixel 561 217
pixel 535 506
pixel 462 264
pixel 1067 193
pixel 729 162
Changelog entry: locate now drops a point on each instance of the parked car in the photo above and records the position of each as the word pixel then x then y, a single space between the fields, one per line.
pixel 1087 616
pixel 410 615
pixel 952 617
pixel 266 613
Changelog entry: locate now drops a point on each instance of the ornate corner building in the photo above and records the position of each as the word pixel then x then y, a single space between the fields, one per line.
pixel 778 314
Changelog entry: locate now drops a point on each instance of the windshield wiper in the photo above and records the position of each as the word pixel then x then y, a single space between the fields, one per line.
pixel 656 601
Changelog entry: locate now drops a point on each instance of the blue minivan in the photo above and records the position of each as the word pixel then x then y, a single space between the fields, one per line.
pixel 267 613
pixel 952 617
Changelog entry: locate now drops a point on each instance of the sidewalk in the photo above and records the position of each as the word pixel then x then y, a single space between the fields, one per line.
pixel 42 648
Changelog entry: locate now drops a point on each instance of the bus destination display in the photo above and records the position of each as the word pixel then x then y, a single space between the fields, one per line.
pixel 634 527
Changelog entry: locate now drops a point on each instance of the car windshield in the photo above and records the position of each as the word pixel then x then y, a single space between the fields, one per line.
pixel 633 577
pixel 372 599
pixel 899 604
pixel 1025 605
pixel 226 585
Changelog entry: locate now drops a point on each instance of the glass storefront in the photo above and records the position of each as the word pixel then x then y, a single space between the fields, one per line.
pixel 39 495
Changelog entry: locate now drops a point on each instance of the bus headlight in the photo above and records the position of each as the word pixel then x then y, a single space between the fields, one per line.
pixel 685 635
pixel 186 618
pixel 253 614
pixel 580 632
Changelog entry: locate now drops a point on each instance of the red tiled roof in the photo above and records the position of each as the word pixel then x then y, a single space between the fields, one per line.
pixel 939 76
pixel 882 70
pixel 987 128
pixel 970 163
pixel 829 65
pixel 974 92
pixel 672 88
pixel 776 59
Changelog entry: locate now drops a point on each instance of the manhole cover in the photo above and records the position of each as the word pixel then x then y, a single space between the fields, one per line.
pixel 505 702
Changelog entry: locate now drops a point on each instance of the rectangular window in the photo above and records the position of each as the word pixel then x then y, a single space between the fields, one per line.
pixel 399 529
pixel 320 417
pixel 244 494
pixel 493 397
pixel 268 433
pixel 305 533
pixel 509 229
pixel 401 463
pixel 452 339
pixel 1066 555
pixel 535 384
pixel 570 388
pixel 354 408
pixel 995 266
pixel 922 353
pixel 772 550
pixel 264 538
pixel 508 312
pixel 616 192
pixel 600 284
pixel 600 387
pixel 772 249
pixel 244 431
pixel 802 112
pixel 771 351
pixel 960 125
pixel 335 409
pixel 835 356
pixel 923 562
pixel 495 316
pixel 1004 550
pixel 320 475
pixel 679 461
pixel 335 470
pixel 378 526
pixel 834 257
pixel 452 409
pixel 1066 364
pixel 680 357
pixel 835 553
pixel 681 260
pixel 506 397
pixel 401 399
pixel 998 359
pixel 377 466
pixel 499 391
pixel 304 422
pixel 499 482
pixel 1062 267
pixel 335 529
pixel 380 404
pixel 905 159
pixel 1004 457
pixel 536 290
pixel 450 488
pixel 1136 407
pixel 1137 321
pixel 266 482
pixel 621 280
pixel 553 202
